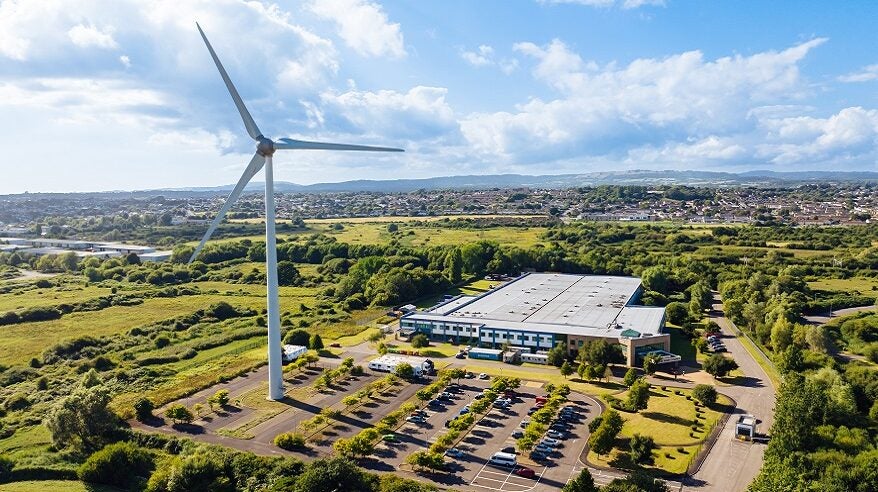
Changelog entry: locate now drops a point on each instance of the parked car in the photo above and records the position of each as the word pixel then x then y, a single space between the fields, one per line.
pixel 556 434
pixel 525 472
pixel 517 433
pixel 435 403
pixel 335 345
pixel 542 448
pixel 417 419
pixel 524 423
pixel 454 453
pixel 539 455
pixel 389 438
pixel 548 441
pixel 483 376
pixel 489 423
pixel 460 355
pixel 469 375
pixel 509 449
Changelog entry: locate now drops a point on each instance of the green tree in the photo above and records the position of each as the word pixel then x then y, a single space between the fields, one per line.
pixel 650 364
pixel 582 370
pixel 81 419
pixel 420 341
pixel 298 337
pixel 557 355
pixel 288 274
pixel 638 395
pixel 641 448
pixel 630 377
pixel 333 475
pixel 566 369
pixel 404 371
pixel 705 393
pixel 603 438
pixel 120 464
pixel 677 313
pixel 582 483
pixel 143 408
pixel 719 366
pixel 454 265
pixel 179 414
pixel 637 481
pixel 201 472
pixel 316 343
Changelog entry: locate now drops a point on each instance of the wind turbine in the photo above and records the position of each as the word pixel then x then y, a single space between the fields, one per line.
pixel 263 157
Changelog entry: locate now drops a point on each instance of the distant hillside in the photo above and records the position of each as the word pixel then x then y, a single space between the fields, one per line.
pixel 762 178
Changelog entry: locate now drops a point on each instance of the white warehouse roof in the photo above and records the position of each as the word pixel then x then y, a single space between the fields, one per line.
pixel 589 305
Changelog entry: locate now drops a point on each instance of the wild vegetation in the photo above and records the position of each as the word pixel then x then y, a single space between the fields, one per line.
pixel 108 333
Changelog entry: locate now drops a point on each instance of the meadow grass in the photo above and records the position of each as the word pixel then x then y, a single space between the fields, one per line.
pixel 55 486
pixel 52 296
pixel 863 285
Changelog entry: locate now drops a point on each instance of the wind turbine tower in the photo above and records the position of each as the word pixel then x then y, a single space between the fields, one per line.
pixel 265 149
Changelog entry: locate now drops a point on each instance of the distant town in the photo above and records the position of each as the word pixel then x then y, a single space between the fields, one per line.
pixel 63 215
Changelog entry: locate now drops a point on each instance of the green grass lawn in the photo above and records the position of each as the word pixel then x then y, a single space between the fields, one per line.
pixel 863 285
pixel 423 235
pixel 55 486
pixel 668 419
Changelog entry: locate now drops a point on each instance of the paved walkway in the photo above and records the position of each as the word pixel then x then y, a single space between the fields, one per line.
pixel 838 313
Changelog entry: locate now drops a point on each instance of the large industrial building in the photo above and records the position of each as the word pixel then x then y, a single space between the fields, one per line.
pixel 536 311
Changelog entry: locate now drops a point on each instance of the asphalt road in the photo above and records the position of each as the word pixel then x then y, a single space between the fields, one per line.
pixel 837 313
pixel 732 464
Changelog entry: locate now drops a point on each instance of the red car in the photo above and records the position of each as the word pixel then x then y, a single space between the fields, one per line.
pixel 525 472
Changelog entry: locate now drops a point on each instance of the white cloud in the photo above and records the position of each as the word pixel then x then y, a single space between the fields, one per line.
pixel 481 57
pixel 420 113
pixel 600 108
pixel 850 132
pixel 364 26
pixel 88 36
pixel 866 74
pixel 125 61
pixel 707 151
pixel 484 56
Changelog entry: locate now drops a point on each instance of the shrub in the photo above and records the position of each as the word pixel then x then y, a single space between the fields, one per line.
pixel 420 341
pixel 641 448
pixel 179 414
pixel 6 465
pixel 121 464
pixel 143 409
pixel 705 393
pixel 290 441
pixel 162 341
pixel 18 401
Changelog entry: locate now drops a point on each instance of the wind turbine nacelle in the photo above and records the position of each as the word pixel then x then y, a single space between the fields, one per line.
pixel 264 147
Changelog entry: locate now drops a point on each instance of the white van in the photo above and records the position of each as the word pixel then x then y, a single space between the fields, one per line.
pixel 503 459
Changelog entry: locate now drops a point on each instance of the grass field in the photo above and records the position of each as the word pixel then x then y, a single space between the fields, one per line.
pixel 668 419
pixel 55 486
pixel 418 235
pixel 25 340
pixel 863 285
pixel 67 293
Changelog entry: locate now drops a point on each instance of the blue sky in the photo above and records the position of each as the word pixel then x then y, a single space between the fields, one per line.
pixel 101 95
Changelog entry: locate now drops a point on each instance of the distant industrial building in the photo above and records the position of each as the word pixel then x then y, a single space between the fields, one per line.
pixel 537 311
pixel 293 352
pixel 82 249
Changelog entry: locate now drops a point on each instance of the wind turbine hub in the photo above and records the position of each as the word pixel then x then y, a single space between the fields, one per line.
pixel 264 147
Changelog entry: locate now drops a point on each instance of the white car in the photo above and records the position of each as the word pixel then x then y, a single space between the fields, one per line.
pixel 454 453
pixel 548 441
pixel 483 376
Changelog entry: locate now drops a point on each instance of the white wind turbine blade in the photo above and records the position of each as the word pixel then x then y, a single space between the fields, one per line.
pixel 289 143
pixel 252 129
pixel 255 165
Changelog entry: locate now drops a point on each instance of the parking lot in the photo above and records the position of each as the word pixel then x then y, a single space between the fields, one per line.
pixel 472 470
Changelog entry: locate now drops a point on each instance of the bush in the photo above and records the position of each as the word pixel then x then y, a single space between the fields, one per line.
pixel 705 393
pixel 290 441
pixel 6 465
pixel 18 401
pixel 143 409
pixel 122 464
pixel 420 341
pixel 162 341
pixel 641 448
